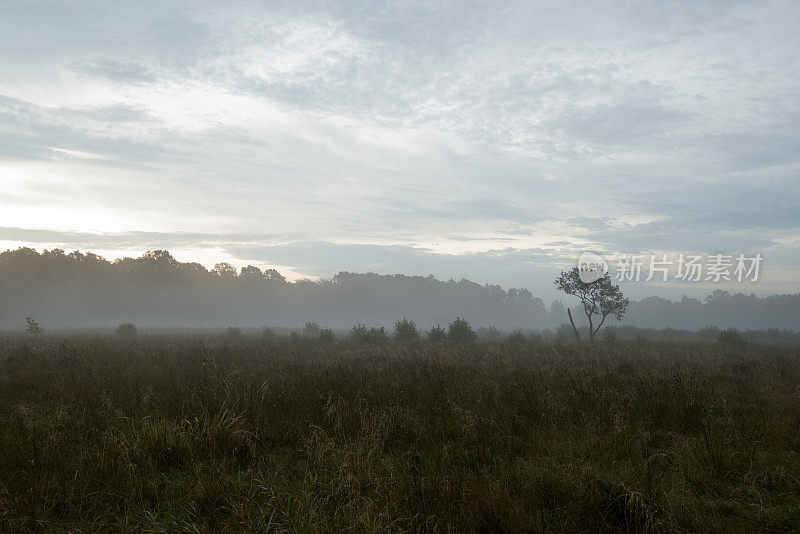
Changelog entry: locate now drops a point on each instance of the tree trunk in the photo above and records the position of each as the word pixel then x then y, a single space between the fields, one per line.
pixel 577 336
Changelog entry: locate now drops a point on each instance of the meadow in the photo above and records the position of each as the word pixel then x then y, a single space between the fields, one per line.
pixel 206 433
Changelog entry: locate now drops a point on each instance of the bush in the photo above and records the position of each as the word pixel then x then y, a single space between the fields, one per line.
pixel 267 334
pixel 517 338
pixel 610 335
pixel 233 332
pixel 437 334
pixel 359 333
pixel 127 330
pixel 326 336
pixel 368 336
pixel 32 327
pixel 405 331
pixel 311 330
pixel 377 336
pixel 294 338
pixel 565 332
pixel 460 332
pixel 731 340
pixel 492 333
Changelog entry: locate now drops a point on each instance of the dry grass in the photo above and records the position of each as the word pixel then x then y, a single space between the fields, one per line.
pixel 202 434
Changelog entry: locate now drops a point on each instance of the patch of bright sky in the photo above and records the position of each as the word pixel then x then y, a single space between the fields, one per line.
pixel 436 127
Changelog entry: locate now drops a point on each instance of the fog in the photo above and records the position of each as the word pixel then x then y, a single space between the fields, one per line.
pixel 85 290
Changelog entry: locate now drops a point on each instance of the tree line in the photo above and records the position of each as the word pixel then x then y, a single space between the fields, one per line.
pixel 78 289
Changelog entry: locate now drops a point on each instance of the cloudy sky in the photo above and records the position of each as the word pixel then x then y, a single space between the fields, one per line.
pixel 488 140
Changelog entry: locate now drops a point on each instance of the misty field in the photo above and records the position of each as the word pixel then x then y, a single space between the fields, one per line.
pixel 203 433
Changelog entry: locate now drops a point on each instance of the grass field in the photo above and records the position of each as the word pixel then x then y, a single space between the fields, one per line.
pixel 193 433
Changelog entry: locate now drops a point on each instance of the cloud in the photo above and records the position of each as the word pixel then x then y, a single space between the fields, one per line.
pixel 116 71
pixel 412 134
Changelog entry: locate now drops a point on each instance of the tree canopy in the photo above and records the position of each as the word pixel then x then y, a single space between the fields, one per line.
pixel 600 298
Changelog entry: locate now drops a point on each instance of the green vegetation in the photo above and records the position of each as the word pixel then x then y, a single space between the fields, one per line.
pixel 599 299
pixel 32 327
pixel 437 334
pixel 227 432
pixel 311 330
pixel 233 332
pixel 74 290
pixel 362 335
pixel 460 332
pixel 127 330
pixel 326 336
pixel 405 331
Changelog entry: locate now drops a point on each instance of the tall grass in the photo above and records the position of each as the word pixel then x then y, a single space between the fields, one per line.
pixel 198 433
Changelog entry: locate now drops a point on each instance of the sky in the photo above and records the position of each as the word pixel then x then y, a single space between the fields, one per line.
pixel 494 141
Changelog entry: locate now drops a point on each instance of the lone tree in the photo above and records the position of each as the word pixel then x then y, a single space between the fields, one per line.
pixel 600 299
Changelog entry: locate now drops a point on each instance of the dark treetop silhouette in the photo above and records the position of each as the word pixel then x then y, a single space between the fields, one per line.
pixel 61 289
pixel 600 299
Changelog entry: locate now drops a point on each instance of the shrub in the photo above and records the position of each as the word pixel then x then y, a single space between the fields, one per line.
pixel 492 333
pixel 709 333
pixel 517 338
pixel 359 333
pixel 437 334
pixel 32 327
pixel 127 330
pixel 731 340
pixel 233 332
pixel 327 336
pixel 460 332
pixel 610 335
pixel 311 330
pixel 405 331
pixel 368 336
pixel 267 334
pixel 564 332
pixel 377 336
pixel 294 337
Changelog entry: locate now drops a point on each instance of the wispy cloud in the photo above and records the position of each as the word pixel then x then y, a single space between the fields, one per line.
pixel 425 136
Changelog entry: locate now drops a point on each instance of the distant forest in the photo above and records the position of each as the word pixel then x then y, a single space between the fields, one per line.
pixel 79 290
